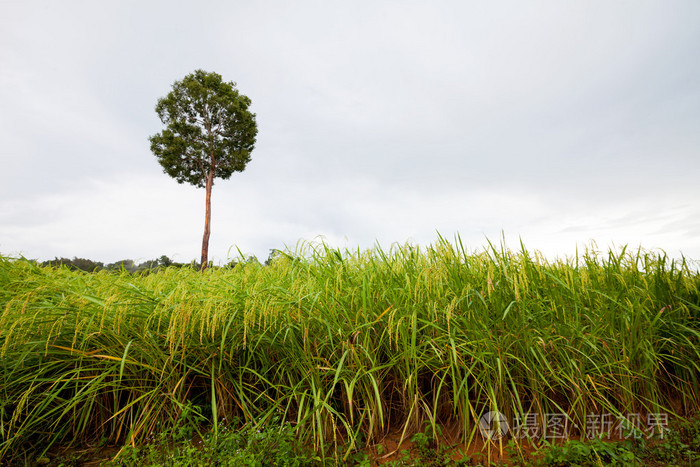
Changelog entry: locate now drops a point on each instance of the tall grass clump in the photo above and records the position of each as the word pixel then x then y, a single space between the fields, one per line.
pixel 346 346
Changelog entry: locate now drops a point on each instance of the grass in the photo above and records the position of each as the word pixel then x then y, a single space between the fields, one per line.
pixel 345 346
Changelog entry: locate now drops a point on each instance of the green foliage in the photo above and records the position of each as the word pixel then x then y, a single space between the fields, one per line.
pixel 209 129
pixel 234 446
pixel 426 452
pixel 75 264
pixel 129 265
pixel 346 346
pixel 681 444
pixel 277 445
pixel 591 453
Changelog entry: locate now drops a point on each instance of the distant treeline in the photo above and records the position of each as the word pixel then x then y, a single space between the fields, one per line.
pixel 88 265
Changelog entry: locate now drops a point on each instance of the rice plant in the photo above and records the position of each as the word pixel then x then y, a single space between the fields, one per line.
pixel 345 345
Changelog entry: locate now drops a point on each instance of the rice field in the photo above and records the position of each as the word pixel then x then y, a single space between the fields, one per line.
pixel 346 346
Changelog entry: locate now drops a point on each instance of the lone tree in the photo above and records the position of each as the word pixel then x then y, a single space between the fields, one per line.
pixel 209 134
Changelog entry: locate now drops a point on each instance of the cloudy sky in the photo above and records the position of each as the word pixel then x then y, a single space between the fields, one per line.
pixel 557 122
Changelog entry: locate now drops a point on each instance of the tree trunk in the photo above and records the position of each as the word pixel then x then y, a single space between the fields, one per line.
pixel 207 223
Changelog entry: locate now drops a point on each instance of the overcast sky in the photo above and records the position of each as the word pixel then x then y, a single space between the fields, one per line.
pixel 558 122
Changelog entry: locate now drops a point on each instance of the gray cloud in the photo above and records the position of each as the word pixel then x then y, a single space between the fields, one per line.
pixel 556 122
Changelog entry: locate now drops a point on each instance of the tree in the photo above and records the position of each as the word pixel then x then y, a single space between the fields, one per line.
pixel 125 264
pixel 209 134
pixel 75 264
